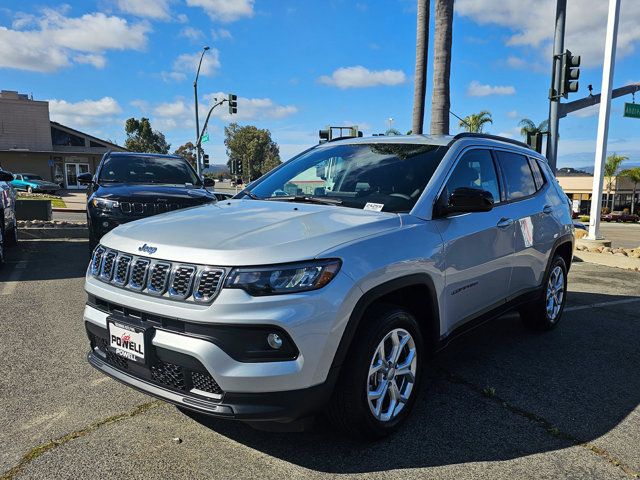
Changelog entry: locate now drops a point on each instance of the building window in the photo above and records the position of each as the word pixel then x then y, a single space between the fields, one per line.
pixel 65 139
pixel 96 144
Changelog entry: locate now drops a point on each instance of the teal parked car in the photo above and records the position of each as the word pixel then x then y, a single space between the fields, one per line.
pixel 30 182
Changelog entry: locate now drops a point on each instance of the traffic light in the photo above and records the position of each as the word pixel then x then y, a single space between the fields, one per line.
pixel 325 135
pixel 569 73
pixel 236 167
pixel 534 140
pixel 233 103
pixel 205 161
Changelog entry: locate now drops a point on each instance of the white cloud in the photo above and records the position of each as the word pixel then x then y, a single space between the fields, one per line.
pixel 224 10
pixel 179 114
pixel 221 34
pixel 58 41
pixel 251 108
pixel 97 60
pixel 533 27
pixel 191 33
pixel 477 89
pixel 156 9
pixel 516 62
pixel 591 111
pixel 512 114
pixel 359 76
pixel 186 65
pixel 85 112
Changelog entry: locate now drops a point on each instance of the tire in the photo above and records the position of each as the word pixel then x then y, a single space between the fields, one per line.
pixel 545 312
pixel 29 190
pixel 350 409
pixel 2 237
pixel 11 239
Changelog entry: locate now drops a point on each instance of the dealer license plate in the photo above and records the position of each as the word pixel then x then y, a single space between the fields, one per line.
pixel 127 341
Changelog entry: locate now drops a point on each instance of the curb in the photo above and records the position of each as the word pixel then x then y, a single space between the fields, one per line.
pixel 608 260
pixel 70 210
pixel 49 233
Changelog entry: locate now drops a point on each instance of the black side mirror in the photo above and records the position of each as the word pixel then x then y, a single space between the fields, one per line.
pixel 85 179
pixel 5 176
pixel 208 182
pixel 465 200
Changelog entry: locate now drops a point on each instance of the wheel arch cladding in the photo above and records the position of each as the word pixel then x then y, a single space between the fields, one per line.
pixel 416 293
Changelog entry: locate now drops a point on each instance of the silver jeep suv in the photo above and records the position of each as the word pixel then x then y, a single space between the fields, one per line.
pixel 325 285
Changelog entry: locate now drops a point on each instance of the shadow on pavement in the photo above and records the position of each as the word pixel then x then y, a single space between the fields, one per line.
pixel 46 260
pixel 583 379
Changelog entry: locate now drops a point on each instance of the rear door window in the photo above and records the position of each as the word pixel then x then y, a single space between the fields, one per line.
pixel 517 175
pixel 537 173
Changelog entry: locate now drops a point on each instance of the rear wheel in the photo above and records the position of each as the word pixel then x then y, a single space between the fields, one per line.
pixel 545 312
pixel 380 378
pixel 11 238
pixel 29 190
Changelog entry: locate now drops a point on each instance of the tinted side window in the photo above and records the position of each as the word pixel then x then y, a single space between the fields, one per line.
pixel 475 170
pixel 518 177
pixel 537 173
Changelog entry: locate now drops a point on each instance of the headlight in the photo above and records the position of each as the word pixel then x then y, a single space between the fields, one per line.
pixel 280 279
pixel 104 204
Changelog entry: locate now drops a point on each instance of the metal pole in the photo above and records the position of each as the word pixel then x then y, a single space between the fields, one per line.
pixel 195 95
pixel 554 103
pixel 603 121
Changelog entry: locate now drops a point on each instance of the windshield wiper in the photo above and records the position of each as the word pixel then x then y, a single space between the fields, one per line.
pixel 306 199
pixel 250 194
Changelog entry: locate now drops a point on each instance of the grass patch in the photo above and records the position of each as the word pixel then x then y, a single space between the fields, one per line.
pixel 56 202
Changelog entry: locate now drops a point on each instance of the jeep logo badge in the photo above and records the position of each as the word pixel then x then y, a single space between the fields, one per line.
pixel 148 249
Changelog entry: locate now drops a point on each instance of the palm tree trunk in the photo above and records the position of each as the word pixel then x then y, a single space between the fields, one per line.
pixel 440 100
pixel 420 81
pixel 633 198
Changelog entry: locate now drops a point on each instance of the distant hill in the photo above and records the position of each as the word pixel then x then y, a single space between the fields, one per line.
pixel 624 166
pixel 217 168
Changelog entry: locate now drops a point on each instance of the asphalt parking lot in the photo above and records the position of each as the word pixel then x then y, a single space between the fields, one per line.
pixel 500 402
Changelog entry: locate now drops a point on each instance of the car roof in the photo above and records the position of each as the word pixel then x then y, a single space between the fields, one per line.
pixel 143 154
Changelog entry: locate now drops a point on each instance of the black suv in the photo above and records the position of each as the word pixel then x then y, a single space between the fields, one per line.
pixel 128 186
pixel 8 224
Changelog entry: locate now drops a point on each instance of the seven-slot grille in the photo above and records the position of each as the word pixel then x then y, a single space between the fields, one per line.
pixel 140 208
pixel 176 281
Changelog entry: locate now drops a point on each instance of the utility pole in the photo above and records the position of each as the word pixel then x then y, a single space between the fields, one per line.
pixel 603 121
pixel 195 95
pixel 556 74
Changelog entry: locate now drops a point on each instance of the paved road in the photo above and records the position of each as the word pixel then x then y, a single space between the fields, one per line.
pixel 499 403
pixel 624 235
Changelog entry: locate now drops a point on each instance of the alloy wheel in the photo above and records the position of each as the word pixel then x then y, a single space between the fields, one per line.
pixel 392 374
pixel 555 293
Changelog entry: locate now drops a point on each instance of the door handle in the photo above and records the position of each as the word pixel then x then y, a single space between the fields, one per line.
pixel 547 209
pixel 505 222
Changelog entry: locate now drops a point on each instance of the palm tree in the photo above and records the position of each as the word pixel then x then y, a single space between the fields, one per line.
pixel 420 82
pixel 440 99
pixel 611 167
pixel 527 126
pixel 632 174
pixel 476 121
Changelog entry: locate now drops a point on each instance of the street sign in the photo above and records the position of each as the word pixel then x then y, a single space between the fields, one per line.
pixel 205 137
pixel 632 110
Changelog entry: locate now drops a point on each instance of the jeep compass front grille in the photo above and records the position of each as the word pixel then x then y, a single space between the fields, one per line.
pixel 175 281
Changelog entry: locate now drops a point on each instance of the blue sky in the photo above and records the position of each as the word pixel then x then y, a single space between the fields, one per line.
pixel 298 66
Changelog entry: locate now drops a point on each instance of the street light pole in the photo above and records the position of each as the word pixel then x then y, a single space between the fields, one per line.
pixel 195 95
pixel 554 103
pixel 603 121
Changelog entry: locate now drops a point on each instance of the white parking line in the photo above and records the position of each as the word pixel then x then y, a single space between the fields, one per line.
pixel 8 287
pixel 602 304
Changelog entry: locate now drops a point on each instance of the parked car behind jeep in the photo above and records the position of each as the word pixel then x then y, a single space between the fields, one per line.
pixel 8 223
pixel 129 186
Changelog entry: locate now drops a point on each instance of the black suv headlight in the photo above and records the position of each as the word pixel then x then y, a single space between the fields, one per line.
pixel 104 203
pixel 281 279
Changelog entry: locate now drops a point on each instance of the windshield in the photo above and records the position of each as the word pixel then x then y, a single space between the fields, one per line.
pixel 31 177
pixel 387 177
pixel 147 169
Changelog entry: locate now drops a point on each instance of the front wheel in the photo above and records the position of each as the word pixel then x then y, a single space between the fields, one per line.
pixel 29 190
pixel 380 379
pixel 545 312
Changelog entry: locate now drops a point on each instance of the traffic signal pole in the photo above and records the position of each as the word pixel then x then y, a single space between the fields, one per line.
pixel 556 76
pixel 603 121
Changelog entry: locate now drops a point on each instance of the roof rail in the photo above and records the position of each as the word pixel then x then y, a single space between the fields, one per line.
pixel 490 137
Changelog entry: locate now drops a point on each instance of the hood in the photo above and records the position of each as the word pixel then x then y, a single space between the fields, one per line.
pixel 248 232
pixel 151 192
